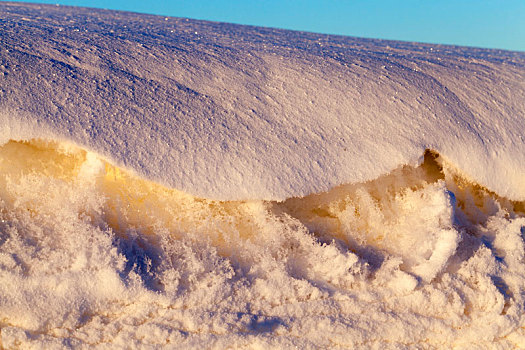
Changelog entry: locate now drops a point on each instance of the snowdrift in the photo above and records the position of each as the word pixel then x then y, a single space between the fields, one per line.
pixel 234 112
pixel 180 183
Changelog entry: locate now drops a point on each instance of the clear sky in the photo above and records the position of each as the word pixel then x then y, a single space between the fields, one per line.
pixel 481 23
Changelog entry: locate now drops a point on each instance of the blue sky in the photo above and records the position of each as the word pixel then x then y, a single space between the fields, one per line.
pixel 481 23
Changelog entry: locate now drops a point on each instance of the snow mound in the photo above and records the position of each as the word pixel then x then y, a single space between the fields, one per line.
pixel 91 255
pixel 187 184
pixel 235 112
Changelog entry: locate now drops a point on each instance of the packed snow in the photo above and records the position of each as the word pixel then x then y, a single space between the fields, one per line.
pixel 189 184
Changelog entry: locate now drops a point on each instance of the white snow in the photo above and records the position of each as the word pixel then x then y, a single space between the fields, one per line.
pixel 187 184
pixel 225 113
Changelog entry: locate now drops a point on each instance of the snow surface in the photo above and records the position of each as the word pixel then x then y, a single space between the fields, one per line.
pixel 235 112
pixel 175 183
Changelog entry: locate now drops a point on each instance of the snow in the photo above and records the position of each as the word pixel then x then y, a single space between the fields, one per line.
pixel 188 184
pixel 224 113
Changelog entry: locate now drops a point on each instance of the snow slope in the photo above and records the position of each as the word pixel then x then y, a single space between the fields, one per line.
pixel 175 183
pixel 223 111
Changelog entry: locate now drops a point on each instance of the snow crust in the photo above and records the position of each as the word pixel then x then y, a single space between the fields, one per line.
pixel 184 184
pixel 235 112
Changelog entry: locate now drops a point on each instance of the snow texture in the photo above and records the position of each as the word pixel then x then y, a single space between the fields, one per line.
pixel 172 183
pixel 236 112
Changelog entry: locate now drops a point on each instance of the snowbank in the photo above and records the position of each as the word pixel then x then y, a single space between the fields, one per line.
pixel 186 184
pixel 233 112
pixel 91 255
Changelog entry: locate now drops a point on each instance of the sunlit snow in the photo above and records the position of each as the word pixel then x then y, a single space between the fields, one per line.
pixel 187 184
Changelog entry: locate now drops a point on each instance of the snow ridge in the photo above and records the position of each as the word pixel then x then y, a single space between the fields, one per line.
pixel 237 112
